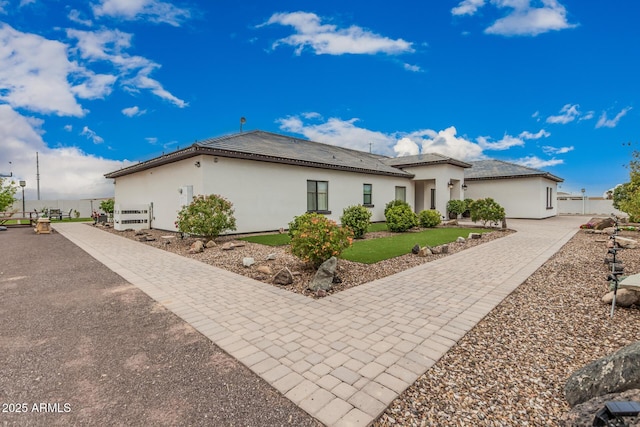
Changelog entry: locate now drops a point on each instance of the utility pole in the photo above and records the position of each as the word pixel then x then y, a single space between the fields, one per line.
pixel 38 174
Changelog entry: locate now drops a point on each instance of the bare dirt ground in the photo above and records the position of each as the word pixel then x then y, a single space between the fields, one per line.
pixel 80 346
pixel 350 273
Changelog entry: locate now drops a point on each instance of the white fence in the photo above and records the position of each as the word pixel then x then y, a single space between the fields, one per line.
pixel 84 206
pixel 576 205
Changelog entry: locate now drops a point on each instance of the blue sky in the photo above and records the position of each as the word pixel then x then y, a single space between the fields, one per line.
pixel 95 85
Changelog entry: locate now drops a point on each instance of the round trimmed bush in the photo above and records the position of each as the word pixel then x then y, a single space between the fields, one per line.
pixel 400 218
pixel 429 218
pixel 357 218
pixel 206 216
pixel 316 238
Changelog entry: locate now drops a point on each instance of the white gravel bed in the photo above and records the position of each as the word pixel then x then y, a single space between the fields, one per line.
pixel 511 368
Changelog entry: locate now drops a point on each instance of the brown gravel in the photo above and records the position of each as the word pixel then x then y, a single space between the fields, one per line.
pixel 350 273
pixel 511 368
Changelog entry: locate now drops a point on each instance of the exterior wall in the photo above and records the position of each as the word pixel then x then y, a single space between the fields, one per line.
pixel 160 187
pixel 520 197
pixel 572 205
pixel 265 196
pixel 437 177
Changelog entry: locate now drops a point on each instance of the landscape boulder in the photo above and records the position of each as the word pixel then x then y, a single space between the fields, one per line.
pixel 444 249
pixel 475 235
pixel 424 252
pixel 196 247
pixel 605 223
pixel 460 239
pixel 271 256
pixel 323 279
pixel 264 269
pixel 624 298
pixel 583 414
pixel 614 373
pixel 415 249
pixel 210 244
pixel 248 261
pixel 626 243
pixel 227 246
pixel 283 277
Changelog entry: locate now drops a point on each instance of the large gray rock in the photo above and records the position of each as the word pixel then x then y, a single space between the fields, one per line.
pixel 605 223
pixel 248 261
pixel 583 414
pixel 323 280
pixel 615 373
pixel 415 249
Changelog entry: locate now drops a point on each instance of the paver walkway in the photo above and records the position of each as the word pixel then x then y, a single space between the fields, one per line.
pixel 346 357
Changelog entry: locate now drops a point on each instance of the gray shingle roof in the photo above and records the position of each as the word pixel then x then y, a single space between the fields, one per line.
pixel 496 169
pixel 270 147
pixel 424 159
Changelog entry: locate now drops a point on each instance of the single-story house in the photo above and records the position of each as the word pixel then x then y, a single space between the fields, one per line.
pixel 271 178
pixel 523 192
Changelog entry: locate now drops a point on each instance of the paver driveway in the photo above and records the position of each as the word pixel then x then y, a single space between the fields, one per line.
pixel 345 357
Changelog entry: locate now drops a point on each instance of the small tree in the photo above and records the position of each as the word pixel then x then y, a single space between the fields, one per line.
pixel 400 218
pixel 107 206
pixel 206 216
pixel 486 210
pixel 626 197
pixel 357 218
pixel 7 191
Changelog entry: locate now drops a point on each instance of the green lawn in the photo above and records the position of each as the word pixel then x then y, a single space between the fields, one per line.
pixel 14 222
pixel 374 250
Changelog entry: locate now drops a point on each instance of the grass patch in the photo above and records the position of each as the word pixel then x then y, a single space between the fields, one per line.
pixel 375 250
pixel 269 239
pixel 378 226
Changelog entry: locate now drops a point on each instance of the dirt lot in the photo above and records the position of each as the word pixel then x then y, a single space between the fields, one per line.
pixel 80 346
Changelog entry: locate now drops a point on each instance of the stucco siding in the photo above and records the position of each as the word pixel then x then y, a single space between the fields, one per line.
pixel 266 196
pixel 520 197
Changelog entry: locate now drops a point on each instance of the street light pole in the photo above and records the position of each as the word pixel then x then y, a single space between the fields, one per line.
pixel 23 184
pixel 583 191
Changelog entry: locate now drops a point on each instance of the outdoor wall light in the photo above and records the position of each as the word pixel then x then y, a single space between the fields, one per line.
pixel 450 184
pixel 197 164
pixel 464 186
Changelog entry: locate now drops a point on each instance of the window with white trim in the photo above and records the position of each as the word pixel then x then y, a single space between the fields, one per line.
pixel 317 196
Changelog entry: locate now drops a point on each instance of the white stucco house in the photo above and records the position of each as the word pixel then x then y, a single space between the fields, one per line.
pixel 271 178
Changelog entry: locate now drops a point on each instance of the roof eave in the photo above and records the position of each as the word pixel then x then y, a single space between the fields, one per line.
pixel 541 175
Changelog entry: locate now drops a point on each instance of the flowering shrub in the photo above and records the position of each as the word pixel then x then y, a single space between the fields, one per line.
pixel 400 218
pixel 316 238
pixel 429 218
pixel 586 226
pixel 357 218
pixel 206 216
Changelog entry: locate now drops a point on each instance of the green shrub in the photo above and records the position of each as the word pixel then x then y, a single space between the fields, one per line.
pixel 357 218
pixel 206 216
pixel 467 204
pixel 107 206
pixel 429 218
pixel 400 218
pixel 316 238
pixel 394 203
pixel 486 210
pixel 455 207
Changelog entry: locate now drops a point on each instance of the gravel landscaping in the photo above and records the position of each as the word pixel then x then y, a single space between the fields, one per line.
pixel 350 273
pixel 511 368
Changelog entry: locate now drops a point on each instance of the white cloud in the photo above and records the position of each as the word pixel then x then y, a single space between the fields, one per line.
pixel 330 40
pixel 68 128
pixel 505 143
pixel 343 133
pixel 26 2
pixel 467 7
pixel 611 123
pixel 91 135
pixel 152 140
pixel 3 3
pixel 149 10
pixel 133 71
pixel 34 74
pixel 540 134
pixel 537 163
pixel 413 68
pixel 447 143
pixel 568 113
pixel 133 111
pixel 523 19
pixel 65 172
pixel 406 147
pixel 554 150
pixel 588 116
pixel 76 16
